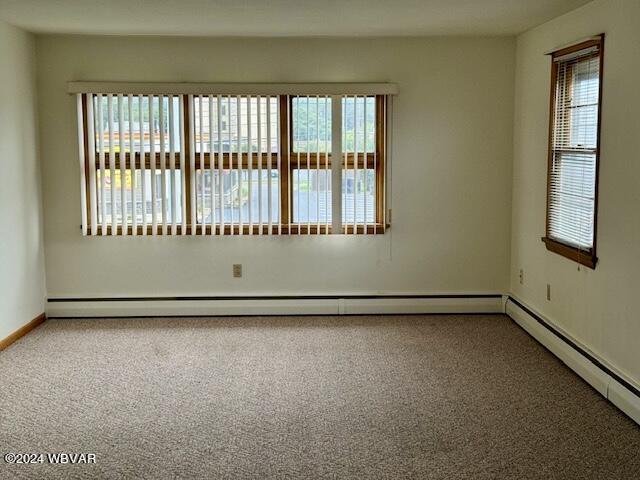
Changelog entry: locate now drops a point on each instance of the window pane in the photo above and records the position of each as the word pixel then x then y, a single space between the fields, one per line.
pixel 584 104
pixel 225 132
pixel 134 116
pixel 235 196
pixel 316 114
pixel 311 196
pixel 117 186
pixel 358 196
pixel 311 129
pixel 353 114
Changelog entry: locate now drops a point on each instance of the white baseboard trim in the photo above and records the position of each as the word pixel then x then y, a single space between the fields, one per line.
pixel 625 400
pixel 379 305
pixel 286 305
pixel 187 308
pixel 622 392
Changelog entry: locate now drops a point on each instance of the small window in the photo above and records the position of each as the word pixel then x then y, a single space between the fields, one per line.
pixel 574 149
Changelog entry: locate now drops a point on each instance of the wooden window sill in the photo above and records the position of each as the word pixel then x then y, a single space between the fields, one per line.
pixel 588 259
pixel 285 229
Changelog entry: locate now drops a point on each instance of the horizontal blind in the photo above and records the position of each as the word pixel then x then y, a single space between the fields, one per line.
pixel 574 148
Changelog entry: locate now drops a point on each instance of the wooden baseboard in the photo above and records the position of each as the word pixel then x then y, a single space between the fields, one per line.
pixel 22 331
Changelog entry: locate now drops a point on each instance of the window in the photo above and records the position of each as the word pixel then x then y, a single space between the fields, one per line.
pixel 311 161
pixel 572 178
pixel 235 164
pixel 127 128
pixel 224 164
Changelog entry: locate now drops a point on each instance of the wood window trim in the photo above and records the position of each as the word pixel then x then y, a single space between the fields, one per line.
pixel 187 154
pixel 288 162
pixel 286 193
pixel 588 258
pixel 87 176
pixel 256 162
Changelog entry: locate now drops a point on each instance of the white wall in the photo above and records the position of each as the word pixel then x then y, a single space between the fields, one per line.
pixel 21 245
pixel 451 169
pixel 596 307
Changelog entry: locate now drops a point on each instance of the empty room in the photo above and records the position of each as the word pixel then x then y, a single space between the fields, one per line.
pixel 353 239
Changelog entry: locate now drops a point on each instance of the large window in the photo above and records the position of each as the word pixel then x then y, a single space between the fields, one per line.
pixel 574 151
pixel 231 164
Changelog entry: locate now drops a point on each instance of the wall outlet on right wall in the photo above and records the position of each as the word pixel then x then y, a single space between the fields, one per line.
pixel 548 291
pixel 521 276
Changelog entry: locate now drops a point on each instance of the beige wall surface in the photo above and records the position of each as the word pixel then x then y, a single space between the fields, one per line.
pixel 596 307
pixel 21 244
pixel 452 150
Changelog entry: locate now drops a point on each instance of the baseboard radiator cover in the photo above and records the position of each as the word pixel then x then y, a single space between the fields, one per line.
pixel 612 385
pixel 274 305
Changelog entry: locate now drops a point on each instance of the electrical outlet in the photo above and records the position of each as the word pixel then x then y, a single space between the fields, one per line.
pixel 237 270
pixel 521 276
pixel 548 291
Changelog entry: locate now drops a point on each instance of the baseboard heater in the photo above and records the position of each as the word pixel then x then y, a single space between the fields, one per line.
pixel 609 383
pixel 183 306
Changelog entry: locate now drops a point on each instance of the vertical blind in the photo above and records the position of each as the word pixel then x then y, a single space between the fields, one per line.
pixel 139 176
pixel 574 148
pixel 235 164
pixel 247 162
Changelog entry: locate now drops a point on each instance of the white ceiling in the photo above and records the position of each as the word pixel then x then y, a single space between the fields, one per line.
pixel 283 17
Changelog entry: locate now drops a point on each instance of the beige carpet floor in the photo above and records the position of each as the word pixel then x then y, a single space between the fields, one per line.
pixel 432 397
